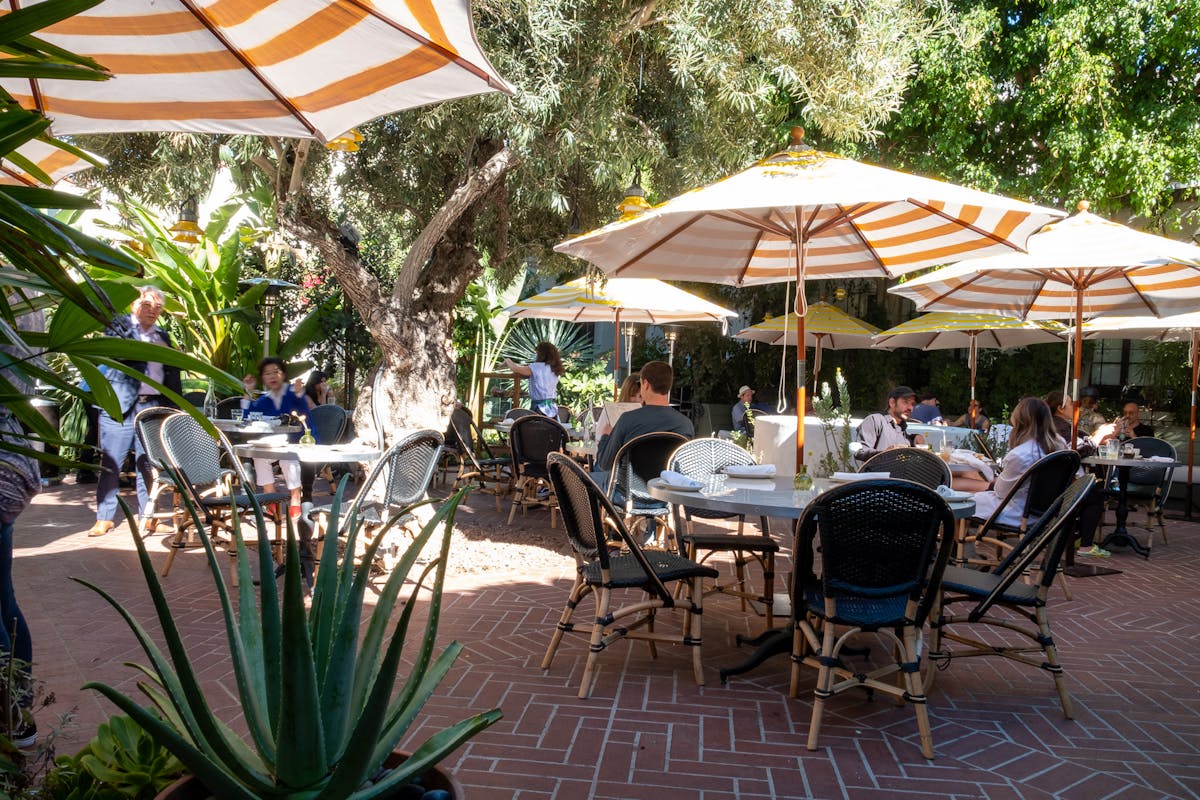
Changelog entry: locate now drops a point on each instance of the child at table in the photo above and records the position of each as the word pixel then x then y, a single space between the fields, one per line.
pixel 277 398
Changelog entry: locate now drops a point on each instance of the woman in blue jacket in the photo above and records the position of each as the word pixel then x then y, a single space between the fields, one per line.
pixel 278 397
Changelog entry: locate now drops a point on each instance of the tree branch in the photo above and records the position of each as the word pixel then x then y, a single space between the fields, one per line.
pixel 477 186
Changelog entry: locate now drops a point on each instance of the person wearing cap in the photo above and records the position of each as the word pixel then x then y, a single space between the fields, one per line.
pixel 887 429
pixel 745 398
pixel 1089 418
pixel 926 410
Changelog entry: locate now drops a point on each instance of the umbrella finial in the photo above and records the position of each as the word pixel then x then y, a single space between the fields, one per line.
pixel 797 137
pixel 634 203
pixel 1083 205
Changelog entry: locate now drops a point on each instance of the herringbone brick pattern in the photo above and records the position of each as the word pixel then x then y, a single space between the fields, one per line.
pixel 1128 642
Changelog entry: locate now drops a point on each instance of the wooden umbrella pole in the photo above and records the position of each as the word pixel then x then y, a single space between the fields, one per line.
pixel 617 355
pixel 801 351
pixel 1192 428
pixel 1078 364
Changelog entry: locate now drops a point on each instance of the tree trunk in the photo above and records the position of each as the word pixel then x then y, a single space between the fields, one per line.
pixel 414 386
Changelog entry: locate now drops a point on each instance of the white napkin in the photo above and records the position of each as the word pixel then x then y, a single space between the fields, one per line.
pixel 750 469
pixel 1167 459
pixel 972 460
pixel 749 483
pixel 859 476
pixel 672 478
pixel 946 493
pixel 273 439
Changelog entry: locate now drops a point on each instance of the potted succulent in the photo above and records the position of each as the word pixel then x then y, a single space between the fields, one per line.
pixel 317 698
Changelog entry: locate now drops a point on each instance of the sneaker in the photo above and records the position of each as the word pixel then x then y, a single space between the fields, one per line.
pixel 1095 551
pixel 24 732
pixel 543 493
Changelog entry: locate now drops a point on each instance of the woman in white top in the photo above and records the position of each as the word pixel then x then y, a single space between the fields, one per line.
pixel 543 376
pixel 1033 436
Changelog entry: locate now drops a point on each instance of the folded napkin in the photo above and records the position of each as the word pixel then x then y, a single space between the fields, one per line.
pixel 750 469
pixel 1167 459
pixel 946 493
pixel 859 476
pixel 972 460
pixel 672 478
pixel 749 483
pixel 273 439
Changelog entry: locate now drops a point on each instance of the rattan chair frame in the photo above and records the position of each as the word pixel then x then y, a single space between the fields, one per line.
pixel 588 516
pixel 147 426
pixel 492 474
pixel 884 544
pixel 217 491
pixel 910 464
pixel 636 462
pixel 981 594
pixel 533 438
pixel 701 459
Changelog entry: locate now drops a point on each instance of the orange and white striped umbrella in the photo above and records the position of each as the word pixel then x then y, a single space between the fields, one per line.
pixel 55 162
pixel 1083 266
pixel 813 213
pixel 299 68
pixel 802 213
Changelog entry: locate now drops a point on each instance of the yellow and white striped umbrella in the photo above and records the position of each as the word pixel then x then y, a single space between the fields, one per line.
pixel 641 300
pixel 827 326
pixel 299 68
pixel 1083 266
pixel 55 162
pixel 949 330
pixel 802 213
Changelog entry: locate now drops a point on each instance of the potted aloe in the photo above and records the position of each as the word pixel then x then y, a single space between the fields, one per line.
pixel 318 700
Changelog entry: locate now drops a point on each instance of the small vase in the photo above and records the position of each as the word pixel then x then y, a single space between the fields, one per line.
pixel 307 440
pixel 802 480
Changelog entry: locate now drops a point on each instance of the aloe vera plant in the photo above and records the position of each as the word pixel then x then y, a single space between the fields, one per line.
pixel 317 701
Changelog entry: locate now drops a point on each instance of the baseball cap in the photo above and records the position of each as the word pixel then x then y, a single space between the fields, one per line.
pixel 745 389
pixel 901 391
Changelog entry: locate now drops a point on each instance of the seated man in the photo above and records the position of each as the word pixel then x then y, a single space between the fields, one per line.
pixel 1127 426
pixel 927 410
pixel 654 416
pixel 883 431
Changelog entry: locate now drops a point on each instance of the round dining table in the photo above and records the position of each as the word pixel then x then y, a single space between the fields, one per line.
pixel 772 496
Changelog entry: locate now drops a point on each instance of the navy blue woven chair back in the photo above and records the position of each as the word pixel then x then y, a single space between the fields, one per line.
pixel 882 542
pixel 226 407
pixel 533 438
pixel 1151 476
pixel 1050 476
pixel 910 464
pixel 327 423
pixel 192 450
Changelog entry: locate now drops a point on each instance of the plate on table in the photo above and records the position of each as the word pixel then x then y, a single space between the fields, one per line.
pixel 742 471
pixel 675 488
pixel 956 497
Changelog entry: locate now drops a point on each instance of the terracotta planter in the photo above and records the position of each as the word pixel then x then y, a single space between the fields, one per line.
pixel 189 788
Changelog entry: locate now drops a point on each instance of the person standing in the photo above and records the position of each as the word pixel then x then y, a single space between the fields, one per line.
pixel 543 375
pixel 885 430
pixel 117 435
pixel 655 415
pixel 278 398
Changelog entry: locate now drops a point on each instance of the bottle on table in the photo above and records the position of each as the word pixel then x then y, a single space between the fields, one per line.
pixel 210 402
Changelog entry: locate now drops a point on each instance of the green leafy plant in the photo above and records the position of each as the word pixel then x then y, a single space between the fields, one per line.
pixel 317 701
pixel 121 761
pixel 835 427
pixel 585 386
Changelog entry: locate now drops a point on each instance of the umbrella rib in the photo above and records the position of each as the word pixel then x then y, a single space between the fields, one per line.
pixel 1145 300
pixel 35 90
pixel 974 229
pixel 655 245
pixel 442 50
pixel 739 217
pixel 245 62
pixel 17 176
pixel 749 255
pixel 845 216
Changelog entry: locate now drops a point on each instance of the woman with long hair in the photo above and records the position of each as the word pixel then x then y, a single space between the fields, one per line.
pixel 543 374
pixel 1033 436
pixel 631 389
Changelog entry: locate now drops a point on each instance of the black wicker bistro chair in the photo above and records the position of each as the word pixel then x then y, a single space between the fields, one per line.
pixel 1003 599
pixel 910 464
pixel 1147 486
pixel 533 438
pixel 219 492
pixel 640 460
pixel 702 459
pixel 467 453
pixel 226 407
pixel 588 517
pixel 883 546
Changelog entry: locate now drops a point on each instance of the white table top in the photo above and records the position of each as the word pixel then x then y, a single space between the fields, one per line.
pixel 1121 461
pixel 771 497
pixel 256 428
pixel 313 453
pixel 505 426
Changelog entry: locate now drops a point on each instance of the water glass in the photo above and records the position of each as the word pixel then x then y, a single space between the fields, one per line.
pixel 1111 448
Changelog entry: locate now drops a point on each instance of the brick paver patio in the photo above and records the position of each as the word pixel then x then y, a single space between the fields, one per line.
pixel 1128 642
